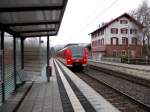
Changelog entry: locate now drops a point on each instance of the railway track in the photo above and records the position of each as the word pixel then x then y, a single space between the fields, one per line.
pixel 124 102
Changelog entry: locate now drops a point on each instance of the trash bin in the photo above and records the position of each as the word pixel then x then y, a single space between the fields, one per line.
pixel 49 72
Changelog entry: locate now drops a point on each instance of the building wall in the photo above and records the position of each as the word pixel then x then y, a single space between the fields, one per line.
pixel 107 49
pixel 99 46
pixel 129 25
pixel 97 55
pixel 135 50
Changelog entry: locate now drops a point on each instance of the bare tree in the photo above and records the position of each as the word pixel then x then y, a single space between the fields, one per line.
pixel 142 14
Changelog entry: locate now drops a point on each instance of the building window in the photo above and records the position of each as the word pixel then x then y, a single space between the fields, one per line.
pixel 124 31
pixel 124 40
pixel 133 31
pixel 134 40
pixel 114 53
pixel 123 21
pixel 97 34
pixel 93 44
pixel 92 36
pixel 114 30
pixel 114 41
pixel 123 53
pixel 96 43
pixel 101 32
pixel 102 41
pixel 99 41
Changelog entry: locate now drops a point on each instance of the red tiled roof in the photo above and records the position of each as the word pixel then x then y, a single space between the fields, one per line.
pixel 123 15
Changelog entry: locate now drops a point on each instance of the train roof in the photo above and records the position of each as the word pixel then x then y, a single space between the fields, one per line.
pixel 70 46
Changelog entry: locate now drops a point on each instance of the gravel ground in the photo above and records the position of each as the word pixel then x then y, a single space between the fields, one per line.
pixel 136 91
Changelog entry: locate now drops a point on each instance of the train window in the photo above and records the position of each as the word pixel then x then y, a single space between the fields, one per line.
pixel 77 52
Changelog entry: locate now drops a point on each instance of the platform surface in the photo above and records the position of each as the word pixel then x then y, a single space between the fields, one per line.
pixel 46 97
pixel 97 101
pixel 133 66
pixel 43 97
pixel 140 71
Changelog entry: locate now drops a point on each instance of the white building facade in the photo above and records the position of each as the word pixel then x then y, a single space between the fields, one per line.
pixel 120 37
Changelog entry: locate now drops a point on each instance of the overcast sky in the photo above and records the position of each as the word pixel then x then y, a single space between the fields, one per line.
pixel 84 16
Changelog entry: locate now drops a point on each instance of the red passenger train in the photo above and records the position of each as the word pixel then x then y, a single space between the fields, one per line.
pixel 73 56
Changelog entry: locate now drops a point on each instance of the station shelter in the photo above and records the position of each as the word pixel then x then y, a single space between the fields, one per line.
pixel 21 20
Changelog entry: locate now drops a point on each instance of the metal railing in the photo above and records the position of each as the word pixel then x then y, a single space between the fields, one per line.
pixel 138 61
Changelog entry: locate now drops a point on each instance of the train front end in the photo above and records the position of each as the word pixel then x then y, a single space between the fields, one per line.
pixel 76 56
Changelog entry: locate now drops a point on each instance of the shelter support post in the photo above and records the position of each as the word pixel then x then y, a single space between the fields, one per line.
pixel 14 56
pixel 22 53
pixel 47 68
pixel 2 67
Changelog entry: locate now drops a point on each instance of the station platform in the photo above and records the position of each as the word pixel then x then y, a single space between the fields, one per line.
pixel 59 96
pixel 139 71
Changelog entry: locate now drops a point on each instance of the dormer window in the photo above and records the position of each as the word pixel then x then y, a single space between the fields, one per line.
pixel 123 22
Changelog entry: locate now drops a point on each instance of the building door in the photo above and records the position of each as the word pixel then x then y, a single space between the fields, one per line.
pixel 132 54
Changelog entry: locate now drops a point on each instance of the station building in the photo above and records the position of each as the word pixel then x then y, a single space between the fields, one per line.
pixel 120 37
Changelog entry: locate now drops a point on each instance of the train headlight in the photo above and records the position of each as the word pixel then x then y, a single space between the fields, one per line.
pixel 69 60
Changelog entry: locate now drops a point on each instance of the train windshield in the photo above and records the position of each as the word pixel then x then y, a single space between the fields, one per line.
pixel 76 52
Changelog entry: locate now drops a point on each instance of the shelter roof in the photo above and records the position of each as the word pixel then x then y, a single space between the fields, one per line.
pixel 31 18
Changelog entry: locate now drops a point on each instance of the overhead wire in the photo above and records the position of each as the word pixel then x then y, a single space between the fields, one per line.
pixel 93 12
pixel 113 3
